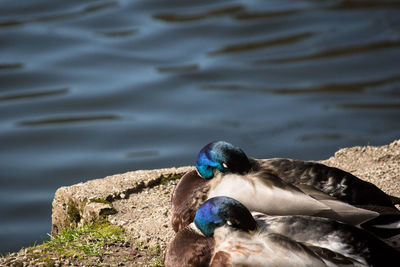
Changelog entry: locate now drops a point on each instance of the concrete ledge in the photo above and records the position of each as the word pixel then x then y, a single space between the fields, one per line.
pixel 86 202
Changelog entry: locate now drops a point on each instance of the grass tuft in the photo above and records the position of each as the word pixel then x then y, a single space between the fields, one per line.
pixel 88 240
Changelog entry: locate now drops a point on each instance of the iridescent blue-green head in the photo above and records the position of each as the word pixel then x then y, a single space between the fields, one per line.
pixel 221 156
pixel 218 211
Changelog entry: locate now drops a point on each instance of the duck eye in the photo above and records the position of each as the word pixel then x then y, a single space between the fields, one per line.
pixel 224 165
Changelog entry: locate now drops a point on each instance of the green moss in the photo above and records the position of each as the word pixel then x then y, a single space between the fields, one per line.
pixel 110 211
pixel 98 200
pixel 106 211
pixel 156 248
pixel 73 213
pixel 84 202
pixel 139 244
pixel 167 179
pixel 157 262
pixel 104 229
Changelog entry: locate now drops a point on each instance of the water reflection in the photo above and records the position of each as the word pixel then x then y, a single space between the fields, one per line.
pixel 371 106
pixel 91 8
pixel 321 136
pixel 345 88
pixel 183 68
pixel 286 40
pixel 67 120
pixel 22 95
pixel 143 154
pixel 7 66
pixel 200 15
pixel 338 52
pixel 357 4
pixel 118 33
pixel 340 88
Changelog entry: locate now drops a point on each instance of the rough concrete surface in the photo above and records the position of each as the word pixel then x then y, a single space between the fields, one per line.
pixel 117 194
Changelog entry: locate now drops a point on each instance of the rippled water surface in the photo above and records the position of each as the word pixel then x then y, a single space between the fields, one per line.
pixel 94 88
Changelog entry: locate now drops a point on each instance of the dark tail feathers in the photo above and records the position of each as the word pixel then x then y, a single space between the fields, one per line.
pixel 383 226
pixel 395 200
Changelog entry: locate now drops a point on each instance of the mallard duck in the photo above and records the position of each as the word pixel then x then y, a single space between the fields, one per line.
pixel 225 233
pixel 226 158
pixel 279 187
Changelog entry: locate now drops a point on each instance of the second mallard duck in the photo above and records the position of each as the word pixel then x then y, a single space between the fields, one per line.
pixel 225 233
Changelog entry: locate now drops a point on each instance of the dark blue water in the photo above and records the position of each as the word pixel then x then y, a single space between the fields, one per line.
pixel 94 88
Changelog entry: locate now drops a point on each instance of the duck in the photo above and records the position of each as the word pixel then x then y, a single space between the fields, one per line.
pixel 283 187
pixel 225 233
pixel 342 185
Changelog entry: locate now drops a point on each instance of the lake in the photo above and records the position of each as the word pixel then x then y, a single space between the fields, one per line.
pixel 94 88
